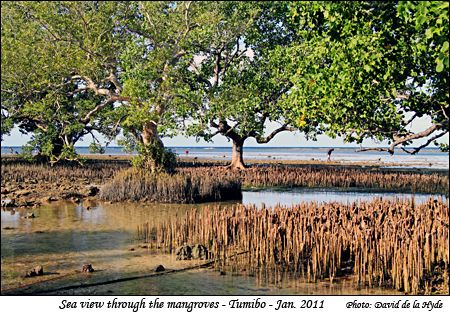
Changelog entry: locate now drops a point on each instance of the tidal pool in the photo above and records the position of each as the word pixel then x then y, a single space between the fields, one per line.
pixel 272 197
pixel 64 236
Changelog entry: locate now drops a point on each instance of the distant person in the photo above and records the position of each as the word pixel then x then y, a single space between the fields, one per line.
pixel 329 153
pixel 11 151
pixel 186 152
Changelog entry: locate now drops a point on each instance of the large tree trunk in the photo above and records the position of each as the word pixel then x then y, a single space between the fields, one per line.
pixel 237 160
pixel 150 136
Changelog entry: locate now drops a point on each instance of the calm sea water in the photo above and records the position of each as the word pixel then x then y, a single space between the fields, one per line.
pixel 426 158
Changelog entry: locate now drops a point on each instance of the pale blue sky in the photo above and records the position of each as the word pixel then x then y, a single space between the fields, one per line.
pixel 282 139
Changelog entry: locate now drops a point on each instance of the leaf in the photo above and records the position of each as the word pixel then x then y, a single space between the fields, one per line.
pixel 443 5
pixel 439 66
pixel 429 33
pixel 444 47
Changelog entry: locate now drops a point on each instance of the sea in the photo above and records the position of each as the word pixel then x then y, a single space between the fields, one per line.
pixel 431 158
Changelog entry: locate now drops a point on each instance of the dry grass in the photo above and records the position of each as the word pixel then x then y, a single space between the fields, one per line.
pixel 101 171
pixel 395 244
pixel 288 176
pixel 137 185
pixel 17 171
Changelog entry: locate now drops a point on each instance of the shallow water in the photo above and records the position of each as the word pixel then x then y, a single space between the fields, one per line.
pixel 429 157
pixel 64 236
pixel 272 197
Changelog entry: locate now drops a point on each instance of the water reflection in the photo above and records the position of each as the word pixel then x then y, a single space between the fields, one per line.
pixel 64 236
pixel 272 197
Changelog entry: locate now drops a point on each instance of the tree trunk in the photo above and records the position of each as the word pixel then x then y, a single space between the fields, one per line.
pixel 58 145
pixel 237 160
pixel 150 137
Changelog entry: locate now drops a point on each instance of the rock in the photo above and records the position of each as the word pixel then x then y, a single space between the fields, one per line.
pixel 29 216
pixel 93 190
pixel 4 191
pixel 39 270
pixel 222 273
pixel 199 252
pixel 30 273
pixel 52 199
pixel 8 203
pixel 184 252
pixel 160 268
pixel 87 268
pixel 75 200
pixel 23 193
pixel 36 271
pixel 28 203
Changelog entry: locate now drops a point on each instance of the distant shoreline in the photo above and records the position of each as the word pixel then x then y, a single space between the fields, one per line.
pixel 254 147
pixel 368 165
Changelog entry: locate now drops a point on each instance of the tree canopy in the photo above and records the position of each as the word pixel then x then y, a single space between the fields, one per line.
pixel 59 70
pixel 370 69
pixel 150 69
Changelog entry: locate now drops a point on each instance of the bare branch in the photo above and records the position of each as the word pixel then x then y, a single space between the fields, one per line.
pixel 412 118
pixel 88 116
pixel 113 79
pixel 410 137
pixel 378 149
pixel 284 127
pixel 231 129
pixel 415 136
pixel 217 67
pixel 417 149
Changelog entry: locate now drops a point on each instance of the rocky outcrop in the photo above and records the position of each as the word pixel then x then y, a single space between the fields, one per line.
pixel 160 268
pixel 196 251
pixel 199 252
pixel 36 271
pixel 8 202
pixel 184 253
pixel 87 268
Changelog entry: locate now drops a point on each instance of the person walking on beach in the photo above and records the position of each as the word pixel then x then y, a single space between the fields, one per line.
pixel 329 153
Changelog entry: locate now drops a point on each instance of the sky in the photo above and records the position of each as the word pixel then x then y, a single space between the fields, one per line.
pixel 284 139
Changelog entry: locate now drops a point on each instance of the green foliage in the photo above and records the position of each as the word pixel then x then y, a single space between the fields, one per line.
pixel 152 69
pixel 361 67
pixel 95 148
pixel 155 157
pixel 236 79
pixel 47 50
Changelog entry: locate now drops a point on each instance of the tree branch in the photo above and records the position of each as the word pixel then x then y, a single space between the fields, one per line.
pixel 410 137
pixel 378 149
pixel 88 116
pixel 284 127
pixel 417 149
